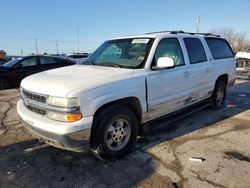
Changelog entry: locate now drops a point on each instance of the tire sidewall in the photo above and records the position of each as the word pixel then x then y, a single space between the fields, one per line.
pixel 219 84
pixel 118 112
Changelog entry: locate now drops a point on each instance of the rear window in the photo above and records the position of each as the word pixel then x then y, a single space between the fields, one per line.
pixel 219 48
pixel 195 49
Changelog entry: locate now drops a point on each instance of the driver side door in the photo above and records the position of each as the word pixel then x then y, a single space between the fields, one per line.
pixel 168 89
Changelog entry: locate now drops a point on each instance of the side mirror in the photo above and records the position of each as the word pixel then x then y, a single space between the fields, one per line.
pixel 165 62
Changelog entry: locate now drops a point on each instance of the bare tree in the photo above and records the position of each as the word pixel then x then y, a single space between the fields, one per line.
pixel 237 40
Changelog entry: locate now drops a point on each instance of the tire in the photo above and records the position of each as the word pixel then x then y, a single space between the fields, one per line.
pixel 217 99
pixel 116 132
pixel 4 84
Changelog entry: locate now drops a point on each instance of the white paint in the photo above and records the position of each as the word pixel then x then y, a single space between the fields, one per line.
pixel 168 89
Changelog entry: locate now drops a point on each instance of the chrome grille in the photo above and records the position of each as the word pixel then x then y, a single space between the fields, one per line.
pixel 27 95
pixel 37 110
pixel 35 96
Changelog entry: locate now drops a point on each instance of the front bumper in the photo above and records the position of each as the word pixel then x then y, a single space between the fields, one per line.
pixel 74 137
pixel 77 142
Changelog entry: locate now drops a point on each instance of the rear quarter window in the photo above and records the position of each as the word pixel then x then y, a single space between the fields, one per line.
pixel 219 48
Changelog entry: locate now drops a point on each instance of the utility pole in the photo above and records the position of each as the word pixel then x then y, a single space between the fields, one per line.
pixel 78 47
pixel 36 47
pixel 57 47
pixel 198 24
pixel 21 52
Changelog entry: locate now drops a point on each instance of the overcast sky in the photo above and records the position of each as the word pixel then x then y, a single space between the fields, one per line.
pixel 50 20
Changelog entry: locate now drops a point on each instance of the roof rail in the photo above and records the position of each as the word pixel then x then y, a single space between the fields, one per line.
pixel 170 32
pixel 205 34
pixel 182 32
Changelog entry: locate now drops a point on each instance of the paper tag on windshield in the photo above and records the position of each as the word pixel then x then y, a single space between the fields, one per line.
pixel 136 41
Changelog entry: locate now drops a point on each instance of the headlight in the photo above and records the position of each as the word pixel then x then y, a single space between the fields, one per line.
pixel 64 117
pixel 63 102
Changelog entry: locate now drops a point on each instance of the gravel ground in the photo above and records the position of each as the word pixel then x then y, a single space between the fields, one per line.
pixel 160 159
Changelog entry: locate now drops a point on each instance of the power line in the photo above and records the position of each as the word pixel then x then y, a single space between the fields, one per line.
pixel 49 40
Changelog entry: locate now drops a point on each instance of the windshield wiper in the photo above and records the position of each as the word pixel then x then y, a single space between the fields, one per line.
pixel 110 64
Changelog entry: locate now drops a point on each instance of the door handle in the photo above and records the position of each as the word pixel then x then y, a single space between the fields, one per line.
pixel 187 74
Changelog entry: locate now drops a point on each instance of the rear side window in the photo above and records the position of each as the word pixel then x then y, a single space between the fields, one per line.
pixel 47 60
pixel 219 48
pixel 195 49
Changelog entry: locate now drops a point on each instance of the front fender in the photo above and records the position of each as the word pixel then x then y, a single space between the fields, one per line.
pixel 92 100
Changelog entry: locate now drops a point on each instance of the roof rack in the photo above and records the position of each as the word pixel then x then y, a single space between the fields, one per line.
pixel 182 32
pixel 170 32
pixel 205 34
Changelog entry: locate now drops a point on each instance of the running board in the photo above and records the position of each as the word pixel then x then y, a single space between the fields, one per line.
pixel 167 121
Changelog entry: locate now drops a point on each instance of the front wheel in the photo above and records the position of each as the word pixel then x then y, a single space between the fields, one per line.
pixel 219 94
pixel 116 132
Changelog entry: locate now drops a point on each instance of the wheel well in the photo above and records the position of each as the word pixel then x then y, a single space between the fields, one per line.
pixel 224 78
pixel 132 102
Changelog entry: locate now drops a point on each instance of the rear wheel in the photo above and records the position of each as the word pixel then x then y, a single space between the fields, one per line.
pixel 4 84
pixel 116 132
pixel 219 95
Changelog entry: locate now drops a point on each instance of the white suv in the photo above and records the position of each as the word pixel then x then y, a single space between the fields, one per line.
pixel 125 83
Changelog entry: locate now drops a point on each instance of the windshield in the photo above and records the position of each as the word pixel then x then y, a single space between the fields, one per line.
pixel 125 53
pixel 11 63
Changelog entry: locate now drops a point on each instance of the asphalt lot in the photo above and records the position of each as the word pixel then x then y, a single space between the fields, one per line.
pixel 161 159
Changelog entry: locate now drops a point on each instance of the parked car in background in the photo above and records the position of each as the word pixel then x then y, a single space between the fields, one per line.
pixel 12 72
pixel 58 55
pixel 78 58
pixel 243 64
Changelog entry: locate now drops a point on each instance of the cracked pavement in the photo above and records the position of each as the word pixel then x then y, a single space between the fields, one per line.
pixel 160 159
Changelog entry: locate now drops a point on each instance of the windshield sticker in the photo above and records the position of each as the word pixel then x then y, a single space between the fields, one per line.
pixel 136 41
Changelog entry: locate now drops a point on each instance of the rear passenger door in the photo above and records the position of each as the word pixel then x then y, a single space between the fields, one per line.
pixel 222 60
pixel 198 72
pixel 47 63
pixel 167 88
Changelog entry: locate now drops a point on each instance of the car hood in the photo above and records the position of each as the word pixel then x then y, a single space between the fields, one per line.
pixel 62 81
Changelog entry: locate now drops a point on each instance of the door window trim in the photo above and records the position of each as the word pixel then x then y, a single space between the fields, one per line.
pixel 153 60
pixel 188 54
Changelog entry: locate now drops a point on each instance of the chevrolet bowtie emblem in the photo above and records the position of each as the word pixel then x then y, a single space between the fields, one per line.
pixel 27 101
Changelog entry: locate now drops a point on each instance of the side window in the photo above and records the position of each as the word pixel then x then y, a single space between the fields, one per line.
pixel 195 49
pixel 47 60
pixel 28 62
pixel 170 47
pixel 219 48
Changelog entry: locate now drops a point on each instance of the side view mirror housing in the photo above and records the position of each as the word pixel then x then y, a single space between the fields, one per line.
pixel 164 63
